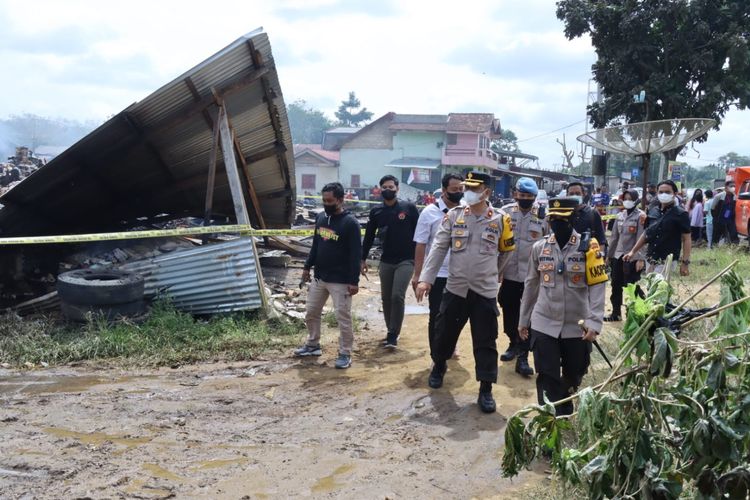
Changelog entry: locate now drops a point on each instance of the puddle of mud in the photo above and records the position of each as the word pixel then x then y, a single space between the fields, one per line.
pixel 328 484
pixel 216 464
pixel 97 438
pixel 161 473
pixel 51 384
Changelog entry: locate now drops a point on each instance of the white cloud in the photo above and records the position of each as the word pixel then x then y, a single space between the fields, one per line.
pixel 81 59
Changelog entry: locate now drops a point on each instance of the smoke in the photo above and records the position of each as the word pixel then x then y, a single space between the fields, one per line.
pixel 35 131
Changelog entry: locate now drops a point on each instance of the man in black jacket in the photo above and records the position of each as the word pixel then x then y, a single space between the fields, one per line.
pixel 335 255
pixel 395 222
pixel 586 219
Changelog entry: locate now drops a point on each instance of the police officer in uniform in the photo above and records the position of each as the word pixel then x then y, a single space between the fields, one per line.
pixel 529 226
pixel 566 283
pixel 480 240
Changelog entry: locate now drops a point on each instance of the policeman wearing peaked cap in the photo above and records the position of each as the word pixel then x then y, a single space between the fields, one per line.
pixel 529 226
pixel 480 239
pixel 565 284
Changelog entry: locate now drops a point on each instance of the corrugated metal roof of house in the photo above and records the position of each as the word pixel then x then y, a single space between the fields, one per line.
pixel 344 130
pixel 152 158
pixel 317 149
pixel 473 122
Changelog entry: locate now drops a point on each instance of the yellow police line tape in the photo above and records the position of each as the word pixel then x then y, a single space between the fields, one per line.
pixel 243 230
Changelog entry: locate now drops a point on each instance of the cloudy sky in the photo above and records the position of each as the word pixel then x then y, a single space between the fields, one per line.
pixel 86 60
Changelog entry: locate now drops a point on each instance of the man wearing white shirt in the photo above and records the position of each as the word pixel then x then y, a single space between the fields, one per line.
pixel 427 226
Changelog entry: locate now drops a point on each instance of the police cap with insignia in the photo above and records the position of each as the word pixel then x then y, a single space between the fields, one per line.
pixel 562 207
pixel 474 179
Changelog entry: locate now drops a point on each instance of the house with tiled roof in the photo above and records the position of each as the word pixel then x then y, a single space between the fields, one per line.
pixel 314 167
pixel 418 150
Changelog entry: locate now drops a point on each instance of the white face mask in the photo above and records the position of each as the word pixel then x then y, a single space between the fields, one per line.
pixel 731 189
pixel 472 197
pixel 628 204
pixel 665 198
pixel 578 198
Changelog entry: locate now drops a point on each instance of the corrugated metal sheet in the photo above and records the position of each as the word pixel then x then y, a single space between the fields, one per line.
pixel 220 277
pixel 152 158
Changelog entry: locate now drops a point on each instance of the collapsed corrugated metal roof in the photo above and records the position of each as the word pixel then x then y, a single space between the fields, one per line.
pixel 152 158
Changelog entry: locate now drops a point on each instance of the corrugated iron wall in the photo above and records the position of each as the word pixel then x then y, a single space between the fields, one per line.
pixel 219 277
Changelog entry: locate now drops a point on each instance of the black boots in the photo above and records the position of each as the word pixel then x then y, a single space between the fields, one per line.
pixel 510 354
pixel 522 365
pixel 485 401
pixel 436 375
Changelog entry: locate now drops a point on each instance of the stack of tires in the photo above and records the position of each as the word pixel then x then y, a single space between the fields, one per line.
pixel 110 294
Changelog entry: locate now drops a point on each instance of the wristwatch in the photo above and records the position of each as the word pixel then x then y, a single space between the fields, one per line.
pixel 685 261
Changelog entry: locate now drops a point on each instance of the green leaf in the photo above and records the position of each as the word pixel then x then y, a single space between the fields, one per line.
pixel 716 378
pixel 661 352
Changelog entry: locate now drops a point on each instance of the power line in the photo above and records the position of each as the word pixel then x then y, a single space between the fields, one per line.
pixel 552 131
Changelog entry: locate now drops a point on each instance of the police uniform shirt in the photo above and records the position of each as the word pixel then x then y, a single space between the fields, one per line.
pixel 627 230
pixel 427 227
pixel 479 246
pixel 557 293
pixel 528 228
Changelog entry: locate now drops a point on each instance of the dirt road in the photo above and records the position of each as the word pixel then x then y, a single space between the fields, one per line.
pixel 273 428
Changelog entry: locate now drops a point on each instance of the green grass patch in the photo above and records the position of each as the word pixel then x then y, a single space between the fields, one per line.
pixel 166 337
pixel 705 263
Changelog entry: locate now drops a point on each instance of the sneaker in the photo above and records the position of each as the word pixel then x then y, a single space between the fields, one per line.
pixel 612 318
pixel 390 345
pixel 308 350
pixel 343 361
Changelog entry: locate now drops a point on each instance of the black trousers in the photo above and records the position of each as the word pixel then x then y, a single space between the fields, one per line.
pixel 696 233
pixel 435 299
pixel 482 313
pixel 509 299
pixel 623 274
pixel 551 355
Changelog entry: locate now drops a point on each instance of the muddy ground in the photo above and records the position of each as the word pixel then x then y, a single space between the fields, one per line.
pixel 268 428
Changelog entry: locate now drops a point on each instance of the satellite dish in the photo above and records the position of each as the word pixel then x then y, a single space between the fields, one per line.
pixel 646 138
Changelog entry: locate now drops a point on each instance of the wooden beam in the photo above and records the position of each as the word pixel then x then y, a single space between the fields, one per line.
pixel 230 164
pixel 249 179
pixel 211 177
pixel 266 153
pixel 197 97
pixel 207 101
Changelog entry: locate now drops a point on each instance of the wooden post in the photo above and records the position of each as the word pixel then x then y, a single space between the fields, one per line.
pixel 233 174
pixel 211 177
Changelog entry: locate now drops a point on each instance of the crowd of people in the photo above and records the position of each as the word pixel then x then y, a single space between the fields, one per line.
pixel 544 265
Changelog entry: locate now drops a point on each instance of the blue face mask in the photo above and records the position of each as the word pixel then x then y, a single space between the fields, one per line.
pixel 579 199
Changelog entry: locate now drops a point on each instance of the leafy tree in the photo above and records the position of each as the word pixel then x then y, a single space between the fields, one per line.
pixel 306 123
pixel 732 159
pixel 508 141
pixel 349 116
pixel 691 57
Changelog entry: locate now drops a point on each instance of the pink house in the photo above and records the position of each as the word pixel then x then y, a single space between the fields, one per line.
pixel 468 139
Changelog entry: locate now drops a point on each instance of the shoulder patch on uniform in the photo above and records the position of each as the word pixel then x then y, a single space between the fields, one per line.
pixel 596 269
pixel 507 241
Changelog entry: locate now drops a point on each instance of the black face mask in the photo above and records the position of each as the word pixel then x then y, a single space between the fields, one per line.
pixel 562 230
pixel 525 204
pixel 454 197
pixel 388 194
pixel 330 209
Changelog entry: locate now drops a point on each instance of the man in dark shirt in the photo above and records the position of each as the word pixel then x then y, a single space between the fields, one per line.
pixel 395 222
pixel 335 255
pixel 586 219
pixel 667 232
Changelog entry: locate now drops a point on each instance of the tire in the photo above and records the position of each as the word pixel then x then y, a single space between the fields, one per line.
pixel 89 287
pixel 110 312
